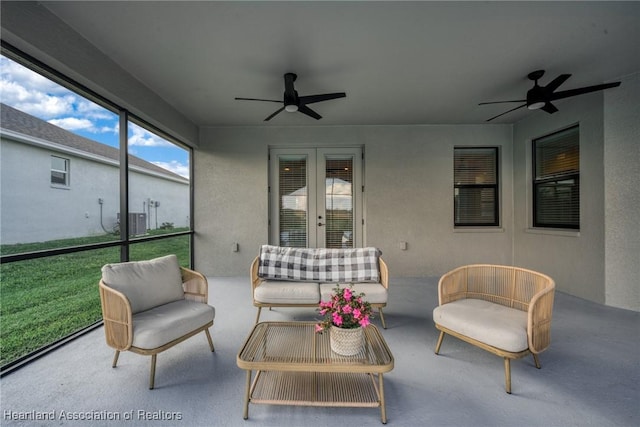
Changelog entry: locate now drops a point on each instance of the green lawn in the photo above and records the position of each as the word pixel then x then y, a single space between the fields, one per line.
pixel 45 299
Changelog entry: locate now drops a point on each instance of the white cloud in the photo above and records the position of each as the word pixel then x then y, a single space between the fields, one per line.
pixel 94 111
pixel 14 72
pixel 32 93
pixel 38 96
pixel 141 137
pixel 73 124
pixel 110 129
pixel 33 102
pixel 175 167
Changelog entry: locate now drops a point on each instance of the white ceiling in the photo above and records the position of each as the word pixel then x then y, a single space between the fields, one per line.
pixel 398 62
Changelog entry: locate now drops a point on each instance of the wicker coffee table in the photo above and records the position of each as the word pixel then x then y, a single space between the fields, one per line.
pixel 295 366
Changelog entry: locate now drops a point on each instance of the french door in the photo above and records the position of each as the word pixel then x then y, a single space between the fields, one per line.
pixel 316 197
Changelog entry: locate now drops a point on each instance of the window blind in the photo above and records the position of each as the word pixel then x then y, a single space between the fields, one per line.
pixel 339 203
pixel 557 180
pixel 557 154
pixel 475 186
pixel 293 196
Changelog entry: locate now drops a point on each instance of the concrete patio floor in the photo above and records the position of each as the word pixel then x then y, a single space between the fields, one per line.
pixel 590 375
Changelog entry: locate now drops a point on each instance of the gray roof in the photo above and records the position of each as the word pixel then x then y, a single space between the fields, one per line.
pixel 21 122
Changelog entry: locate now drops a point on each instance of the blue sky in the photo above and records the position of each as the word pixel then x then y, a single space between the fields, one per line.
pixel 34 94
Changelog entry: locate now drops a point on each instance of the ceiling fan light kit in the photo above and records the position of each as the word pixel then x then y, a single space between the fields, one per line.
pixel 540 97
pixel 535 106
pixel 293 103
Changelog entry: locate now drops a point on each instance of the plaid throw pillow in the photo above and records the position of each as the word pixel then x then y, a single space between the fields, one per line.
pixel 319 265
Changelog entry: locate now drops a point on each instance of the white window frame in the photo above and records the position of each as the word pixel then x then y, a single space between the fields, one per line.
pixel 65 172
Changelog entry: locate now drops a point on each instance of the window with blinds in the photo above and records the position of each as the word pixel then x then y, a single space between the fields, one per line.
pixel 475 175
pixel 293 195
pixel 339 203
pixel 556 180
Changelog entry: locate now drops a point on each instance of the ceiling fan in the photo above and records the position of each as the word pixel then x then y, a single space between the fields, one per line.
pixel 292 102
pixel 540 97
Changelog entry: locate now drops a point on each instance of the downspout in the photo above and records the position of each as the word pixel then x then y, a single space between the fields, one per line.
pixel 100 202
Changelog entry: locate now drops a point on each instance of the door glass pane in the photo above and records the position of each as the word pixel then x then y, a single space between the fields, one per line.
pixel 339 203
pixel 293 200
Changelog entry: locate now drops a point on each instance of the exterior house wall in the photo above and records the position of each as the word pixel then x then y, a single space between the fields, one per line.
pixel 33 210
pixel 621 194
pixel 408 178
pixel 172 197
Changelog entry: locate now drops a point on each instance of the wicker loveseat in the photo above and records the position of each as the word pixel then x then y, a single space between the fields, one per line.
pixel 302 277
pixel 150 306
pixel 504 310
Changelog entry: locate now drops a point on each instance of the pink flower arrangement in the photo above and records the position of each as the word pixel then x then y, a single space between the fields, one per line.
pixel 345 310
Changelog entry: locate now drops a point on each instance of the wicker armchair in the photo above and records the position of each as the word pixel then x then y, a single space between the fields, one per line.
pixel 501 309
pixel 150 306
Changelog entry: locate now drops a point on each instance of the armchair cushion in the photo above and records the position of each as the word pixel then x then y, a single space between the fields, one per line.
pixel 276 292
pixel 374 293
pixel 494 324
pixel 163 324
pixel 146 284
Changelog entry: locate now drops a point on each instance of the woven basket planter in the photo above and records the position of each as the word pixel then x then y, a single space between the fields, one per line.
pixel 346 342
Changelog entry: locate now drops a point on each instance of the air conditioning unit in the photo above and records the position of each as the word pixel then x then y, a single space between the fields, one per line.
pixel 137 223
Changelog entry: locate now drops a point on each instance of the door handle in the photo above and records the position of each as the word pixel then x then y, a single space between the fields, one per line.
pixel 320 224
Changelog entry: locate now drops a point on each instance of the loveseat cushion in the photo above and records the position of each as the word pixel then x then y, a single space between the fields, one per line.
pixel 319 265
pixel 146 284
pixel 284 292
pixel 374 293
pixel 165 323
pixel 493 324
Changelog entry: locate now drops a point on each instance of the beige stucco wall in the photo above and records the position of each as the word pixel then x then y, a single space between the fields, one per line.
pixel 574 259
pixel 600 262
pixel 622 194
pixel 408 182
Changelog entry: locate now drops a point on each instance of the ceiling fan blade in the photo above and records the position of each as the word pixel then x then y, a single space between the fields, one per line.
pixel 549 108
pixel 580 91
pixel 502 114
pixel 555 83
pixel 309 112
pixel 502 102
pixel 310 99
pixel 274 114
pixel 258 99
